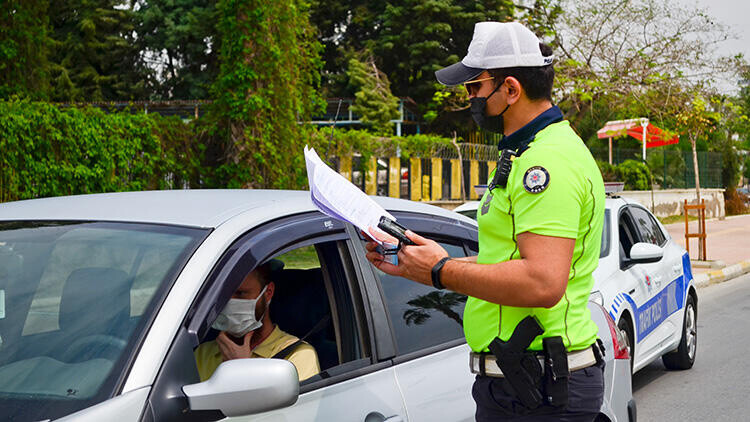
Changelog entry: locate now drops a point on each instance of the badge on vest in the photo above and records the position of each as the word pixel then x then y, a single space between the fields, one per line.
pixel 536 179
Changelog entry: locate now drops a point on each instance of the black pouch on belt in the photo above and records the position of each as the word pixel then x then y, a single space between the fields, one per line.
pixel 556 372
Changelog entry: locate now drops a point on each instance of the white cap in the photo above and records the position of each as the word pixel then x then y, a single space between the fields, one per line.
pixel 495 45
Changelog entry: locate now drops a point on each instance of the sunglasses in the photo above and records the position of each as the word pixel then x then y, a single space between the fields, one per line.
pixel 472 87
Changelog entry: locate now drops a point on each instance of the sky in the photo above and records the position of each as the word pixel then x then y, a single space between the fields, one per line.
pixel 733 13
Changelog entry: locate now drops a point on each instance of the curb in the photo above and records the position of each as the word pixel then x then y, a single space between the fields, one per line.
pixel 722 275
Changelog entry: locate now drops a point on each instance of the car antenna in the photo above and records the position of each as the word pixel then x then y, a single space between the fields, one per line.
pixel 328 149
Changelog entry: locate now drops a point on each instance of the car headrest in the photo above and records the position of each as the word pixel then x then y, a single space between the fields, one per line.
pixel 95 300
pixel 299 301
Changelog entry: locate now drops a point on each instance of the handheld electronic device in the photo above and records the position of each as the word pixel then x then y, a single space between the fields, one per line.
pixel 394 229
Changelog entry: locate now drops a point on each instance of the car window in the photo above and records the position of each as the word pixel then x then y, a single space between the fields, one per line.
pixel 469 213
pixel 422 316
pixel 649 230
pixel 74 296
pixel 627 233
pixel 606 235
pixel 311 301
pixel 310 288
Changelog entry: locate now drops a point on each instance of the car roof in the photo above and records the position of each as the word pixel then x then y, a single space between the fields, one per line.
pixel 192 207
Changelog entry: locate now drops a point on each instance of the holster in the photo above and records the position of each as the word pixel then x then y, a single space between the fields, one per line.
pixel 556 372
pixel 521 367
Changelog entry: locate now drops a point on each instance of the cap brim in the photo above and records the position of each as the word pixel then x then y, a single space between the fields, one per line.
pixel 274 265
pixel 457 74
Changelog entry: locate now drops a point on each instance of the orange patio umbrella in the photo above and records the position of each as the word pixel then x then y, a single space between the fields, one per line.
pixel 650 135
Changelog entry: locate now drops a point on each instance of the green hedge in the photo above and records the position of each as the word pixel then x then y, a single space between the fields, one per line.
pixel 635 174
pixel 49 151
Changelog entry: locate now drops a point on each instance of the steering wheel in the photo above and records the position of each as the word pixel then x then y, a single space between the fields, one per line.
pixel 94 346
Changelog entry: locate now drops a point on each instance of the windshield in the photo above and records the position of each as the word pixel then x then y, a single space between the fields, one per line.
pixel 75 300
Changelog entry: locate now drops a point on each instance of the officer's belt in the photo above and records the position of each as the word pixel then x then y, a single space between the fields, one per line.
pixel 576 360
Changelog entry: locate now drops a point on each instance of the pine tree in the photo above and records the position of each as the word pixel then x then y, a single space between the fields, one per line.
pixel 23 49
pixel 94 57
pixel 180 40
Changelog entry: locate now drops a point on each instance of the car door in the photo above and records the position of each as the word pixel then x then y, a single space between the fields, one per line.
pixel 635 283
pixel 666 295
pixel 431 354
pixel 318 283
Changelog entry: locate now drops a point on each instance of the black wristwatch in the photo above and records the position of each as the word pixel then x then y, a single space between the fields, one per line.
pixel 436 273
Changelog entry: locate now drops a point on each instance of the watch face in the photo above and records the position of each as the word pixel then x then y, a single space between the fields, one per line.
pixel 536 179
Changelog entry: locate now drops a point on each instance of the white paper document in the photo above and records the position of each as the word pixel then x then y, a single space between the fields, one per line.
pixel 339 198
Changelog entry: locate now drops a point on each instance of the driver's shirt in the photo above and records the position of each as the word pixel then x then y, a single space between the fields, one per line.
pixel 304 357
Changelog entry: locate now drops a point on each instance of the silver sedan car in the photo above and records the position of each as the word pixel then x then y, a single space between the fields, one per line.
pixel 104 298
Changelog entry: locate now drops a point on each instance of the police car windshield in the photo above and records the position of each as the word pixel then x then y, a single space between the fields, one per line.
pixel 75 300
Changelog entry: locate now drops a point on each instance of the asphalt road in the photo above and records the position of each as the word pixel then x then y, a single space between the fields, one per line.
pixel 717 388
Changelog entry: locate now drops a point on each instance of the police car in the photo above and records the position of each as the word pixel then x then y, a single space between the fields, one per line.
pixel 645 282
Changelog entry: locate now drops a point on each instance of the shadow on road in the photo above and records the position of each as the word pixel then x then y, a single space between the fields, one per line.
pixel 649 374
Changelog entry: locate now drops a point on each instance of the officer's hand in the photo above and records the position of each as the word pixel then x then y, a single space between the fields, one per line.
pixel 377 259
pixel 231 350
pixel 417 260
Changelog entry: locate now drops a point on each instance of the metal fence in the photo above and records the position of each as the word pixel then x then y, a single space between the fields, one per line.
pixel 671 169
pixel 450 172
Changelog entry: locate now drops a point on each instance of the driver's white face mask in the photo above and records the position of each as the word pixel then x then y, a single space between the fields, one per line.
pixel 238 317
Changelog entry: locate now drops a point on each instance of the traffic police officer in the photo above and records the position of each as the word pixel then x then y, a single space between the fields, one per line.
pixel 533 342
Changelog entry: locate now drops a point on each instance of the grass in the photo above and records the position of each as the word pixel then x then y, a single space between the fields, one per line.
pixel 676 219
pixel 301 259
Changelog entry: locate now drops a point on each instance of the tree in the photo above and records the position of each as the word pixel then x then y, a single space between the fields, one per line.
pixel 643 52
pixel 443 302
pixel 410 40
pixel 697 120
pixel 267 82
pixel 419 37
pixel 731 124
pixel 94 56
pixel 178 39
pixel 373 99
pixel 23 49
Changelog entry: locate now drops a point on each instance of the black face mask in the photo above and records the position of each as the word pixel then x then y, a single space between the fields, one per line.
pixel 489 123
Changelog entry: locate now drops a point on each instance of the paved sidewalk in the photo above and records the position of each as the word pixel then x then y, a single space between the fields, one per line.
pixel 727 244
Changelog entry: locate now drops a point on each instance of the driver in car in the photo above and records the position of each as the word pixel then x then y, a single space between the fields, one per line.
pixel 248 332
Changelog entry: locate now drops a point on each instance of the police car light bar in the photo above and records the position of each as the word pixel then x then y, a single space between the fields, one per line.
pixel 613 188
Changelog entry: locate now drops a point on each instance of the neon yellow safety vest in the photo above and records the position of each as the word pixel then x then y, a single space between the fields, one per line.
pixel 554 189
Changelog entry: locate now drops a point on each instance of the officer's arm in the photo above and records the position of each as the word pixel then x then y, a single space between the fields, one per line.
pixel 538 279
pixel 472 258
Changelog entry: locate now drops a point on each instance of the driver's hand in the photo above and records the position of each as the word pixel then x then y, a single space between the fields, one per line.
pixel 231 350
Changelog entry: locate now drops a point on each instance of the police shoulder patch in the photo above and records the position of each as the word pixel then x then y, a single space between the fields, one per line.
pixel 536 179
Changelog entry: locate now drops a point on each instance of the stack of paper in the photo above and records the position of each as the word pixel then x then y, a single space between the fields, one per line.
pixel 339 198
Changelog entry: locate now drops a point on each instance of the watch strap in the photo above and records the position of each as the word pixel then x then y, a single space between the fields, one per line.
pixel 436 273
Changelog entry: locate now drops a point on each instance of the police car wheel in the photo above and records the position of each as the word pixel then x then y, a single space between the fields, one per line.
pixel 684 356
pixel 627 335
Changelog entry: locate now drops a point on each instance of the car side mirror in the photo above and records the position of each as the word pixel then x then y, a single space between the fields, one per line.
pixel 644 253
pixel 246 386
